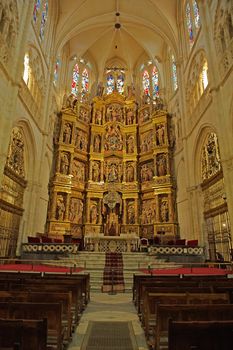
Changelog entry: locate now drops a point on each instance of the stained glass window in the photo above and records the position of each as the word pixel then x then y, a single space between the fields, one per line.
pixel 26 68
pixel 36 9
pixel 155 81
pixel 43 19
pixel 174 74
pixel 85 82
pixel 75 80
pixel 56 70
pixel 197 20
pixel 189 24
pixel 110 84
pixel 146 83
pixel 120 83
pixel 205 75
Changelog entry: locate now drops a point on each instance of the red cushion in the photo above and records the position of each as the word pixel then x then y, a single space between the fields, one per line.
pixel 33 239
pixel 180 241
pixel 57 240
pixel 170 242
pixel 193 243
pixel 46 240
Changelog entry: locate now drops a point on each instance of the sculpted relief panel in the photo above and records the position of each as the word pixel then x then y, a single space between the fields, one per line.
pixel 113 140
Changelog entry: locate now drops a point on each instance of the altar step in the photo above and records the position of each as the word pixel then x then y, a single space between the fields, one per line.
pixel 133 262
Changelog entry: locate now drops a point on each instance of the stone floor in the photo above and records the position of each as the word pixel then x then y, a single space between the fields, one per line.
pixel 105 307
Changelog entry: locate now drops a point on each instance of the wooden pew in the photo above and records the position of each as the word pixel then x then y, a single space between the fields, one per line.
pixel 48 284
pixel 201 335
pixel 23 334
pixel 204 312
pixel 153 299
pixel 177 288
pixel 37 311
pixel 39 297
pixel 83 280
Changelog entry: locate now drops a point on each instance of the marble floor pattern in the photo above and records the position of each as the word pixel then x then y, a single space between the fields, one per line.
pixel 106 307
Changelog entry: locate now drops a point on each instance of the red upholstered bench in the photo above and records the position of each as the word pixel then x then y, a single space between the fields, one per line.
pixel 180 241
pixel 46 240
pixel 57 240
pixel 193 243
pixel 33 239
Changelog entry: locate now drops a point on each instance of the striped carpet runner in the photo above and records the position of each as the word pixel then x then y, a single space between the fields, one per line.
pixel 113 277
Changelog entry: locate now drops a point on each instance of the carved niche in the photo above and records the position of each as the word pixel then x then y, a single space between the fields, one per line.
pixel 15 158
pixel 210 157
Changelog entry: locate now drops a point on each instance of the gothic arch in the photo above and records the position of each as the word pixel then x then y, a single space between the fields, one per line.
pixel 198 145
pixel 36 82
pixel 194 88
pixel 30 148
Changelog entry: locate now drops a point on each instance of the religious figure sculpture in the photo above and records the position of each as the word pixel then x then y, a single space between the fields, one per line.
pixel 64 166
pixel 81 140
pixel 148 212
pixel 130 173
pixel 129 116
pixel 78 170
pixel 113 138
pixel 98 117
pixel 161 165
pixel 94 214
pixel 83 115
pixel 144 116
pixel 131 212
pixel 160 135
pixel 60 208
pixel 146 172
pixel 130 144
pixel 164 212
pixel 114 113
pixel 96 171
pixel 76 210
pixel 67 133
pixel 97 143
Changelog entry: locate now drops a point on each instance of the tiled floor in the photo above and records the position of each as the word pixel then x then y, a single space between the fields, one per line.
pixel 105 307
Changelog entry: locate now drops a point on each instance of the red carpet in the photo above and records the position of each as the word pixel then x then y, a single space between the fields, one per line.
pixel 188 271
pixel 113 278
pixel 38 268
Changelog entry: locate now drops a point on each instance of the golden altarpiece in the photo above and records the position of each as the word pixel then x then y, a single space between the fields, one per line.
pixel 11 194
pixel 112 183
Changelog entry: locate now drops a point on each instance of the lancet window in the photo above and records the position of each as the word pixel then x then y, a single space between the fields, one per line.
pixel 174 73
pixel 198 81
pixel 155 82
pixel 120 83
pixel 146 83
pixel 192 19
pixel 33 75
pixel 115 81
pixel 75 80
pixel 40 16
pixel 150 82
pixel 85 81
pixel 56 71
